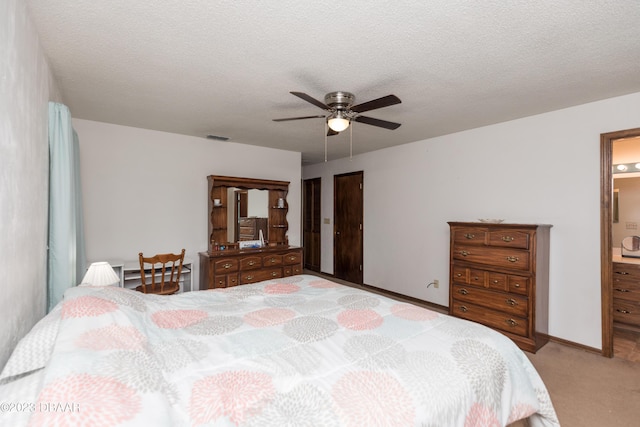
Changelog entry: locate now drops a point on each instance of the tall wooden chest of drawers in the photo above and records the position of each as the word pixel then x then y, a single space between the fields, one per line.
pixel 499 276
pixel 626 295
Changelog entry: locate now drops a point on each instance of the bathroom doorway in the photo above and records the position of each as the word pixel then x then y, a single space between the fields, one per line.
pixel 607 141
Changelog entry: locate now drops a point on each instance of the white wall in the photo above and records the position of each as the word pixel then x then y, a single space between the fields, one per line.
pixel 146 191
pixel 539 169
pixel 26 86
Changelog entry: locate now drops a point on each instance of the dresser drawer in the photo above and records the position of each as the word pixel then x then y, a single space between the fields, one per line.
pixel 292 258
pixel 469 236
pixel 225 281
pixel 272 260
pixel 225 266
pixel 492 318
pixel 626 281
pixel 291 270
pixel 626 312
pixel 513 304
pixel 260 275
pixel 250 263
pixel 516 259
pixel 510 239
pixel 624 271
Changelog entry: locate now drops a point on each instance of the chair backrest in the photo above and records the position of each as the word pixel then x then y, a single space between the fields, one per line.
pixel 165 273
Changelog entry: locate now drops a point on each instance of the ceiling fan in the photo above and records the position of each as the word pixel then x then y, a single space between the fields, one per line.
pixel 341 111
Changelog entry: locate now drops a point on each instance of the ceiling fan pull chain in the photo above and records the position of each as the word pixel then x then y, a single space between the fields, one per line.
pixel 325 141
pixel 351 142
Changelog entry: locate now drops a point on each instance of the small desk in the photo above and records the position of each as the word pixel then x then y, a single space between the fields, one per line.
pixel 129 273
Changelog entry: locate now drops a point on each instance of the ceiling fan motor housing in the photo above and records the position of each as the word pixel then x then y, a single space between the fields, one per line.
pixel 340 100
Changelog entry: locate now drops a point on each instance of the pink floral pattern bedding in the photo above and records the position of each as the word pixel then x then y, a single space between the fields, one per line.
pixel 300 351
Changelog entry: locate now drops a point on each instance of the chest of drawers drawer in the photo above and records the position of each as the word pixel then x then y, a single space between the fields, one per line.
pixel 485 236
pixel 492 318
pixel 498 257
pixel 502 301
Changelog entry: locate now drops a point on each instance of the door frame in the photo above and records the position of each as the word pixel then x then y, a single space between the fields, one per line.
pixel 606 238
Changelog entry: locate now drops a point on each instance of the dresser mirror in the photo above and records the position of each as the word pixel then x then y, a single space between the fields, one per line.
pixel 247 214
pixel 239 208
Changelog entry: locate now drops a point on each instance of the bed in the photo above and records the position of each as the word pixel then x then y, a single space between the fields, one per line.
pixel 299 351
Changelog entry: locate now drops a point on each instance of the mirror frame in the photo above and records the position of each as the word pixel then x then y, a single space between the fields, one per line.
pixel 217 214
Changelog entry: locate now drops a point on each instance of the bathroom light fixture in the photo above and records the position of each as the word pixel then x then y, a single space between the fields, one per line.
pixel 626 168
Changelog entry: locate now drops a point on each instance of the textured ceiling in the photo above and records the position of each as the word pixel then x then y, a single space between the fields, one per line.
pixel 199 67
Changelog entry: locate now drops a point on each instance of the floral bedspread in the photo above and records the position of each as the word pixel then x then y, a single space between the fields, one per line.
pixel 300 351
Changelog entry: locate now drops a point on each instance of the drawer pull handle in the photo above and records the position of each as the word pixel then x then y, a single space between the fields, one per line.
pixel 511 322
pixel 292 258
pixel 249 277
pixel 496 281
pixel 252 263
pixel 517 285
pixel 622 272
pixel 227 265
pixel 512 258
pixel 507 239
pixel 470 236
pixel 464 253
pixel 459 275
pixel 622 290
pixel 463 309
pixel 463 291
pixel 512 302
pixel 619 310
pixel 274 274
pixel 476 278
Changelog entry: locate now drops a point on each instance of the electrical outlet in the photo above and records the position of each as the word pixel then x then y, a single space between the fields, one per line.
pixel 436 283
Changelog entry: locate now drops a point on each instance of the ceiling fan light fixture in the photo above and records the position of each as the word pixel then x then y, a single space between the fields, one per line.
pixel 337 122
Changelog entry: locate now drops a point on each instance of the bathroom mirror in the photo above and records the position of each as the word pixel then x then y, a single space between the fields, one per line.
pixel 631 246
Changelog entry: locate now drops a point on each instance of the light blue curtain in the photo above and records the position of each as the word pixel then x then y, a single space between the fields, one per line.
pixel 66 258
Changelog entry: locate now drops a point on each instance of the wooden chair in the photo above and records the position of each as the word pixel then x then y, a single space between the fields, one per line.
pixel 168 272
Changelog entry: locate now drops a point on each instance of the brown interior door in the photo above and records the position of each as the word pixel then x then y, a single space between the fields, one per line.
pixel 348 220
pixel 311 223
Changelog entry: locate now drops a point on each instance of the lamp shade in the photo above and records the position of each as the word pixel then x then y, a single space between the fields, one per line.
pixel 100 274
pixel 337 122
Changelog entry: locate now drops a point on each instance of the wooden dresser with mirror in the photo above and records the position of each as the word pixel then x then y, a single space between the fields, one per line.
pixel 233 204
